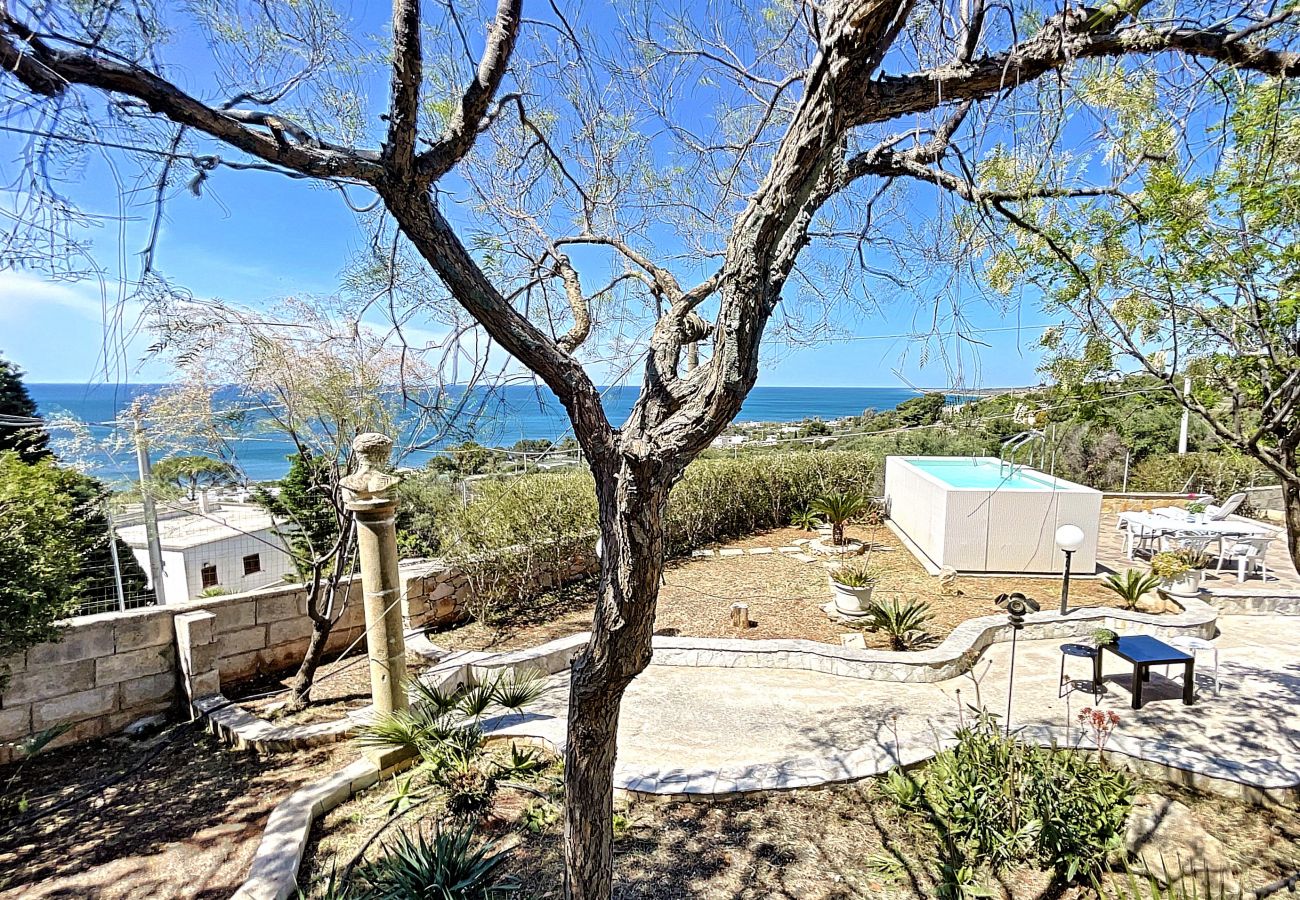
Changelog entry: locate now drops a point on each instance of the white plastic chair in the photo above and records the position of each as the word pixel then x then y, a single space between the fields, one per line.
pixel 1139 537
pixel 1192 645
pixel 1219 513
pixel 1192 541
pixel 1249 552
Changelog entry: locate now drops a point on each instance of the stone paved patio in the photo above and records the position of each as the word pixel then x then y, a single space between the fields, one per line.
pixel 681 722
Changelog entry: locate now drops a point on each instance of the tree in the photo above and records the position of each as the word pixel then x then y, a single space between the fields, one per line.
pixel 1196 277
pixel 308 372
pixel 825 117
pixel 194 473
pixel 923 410
pixel 30 440
pixel 40 562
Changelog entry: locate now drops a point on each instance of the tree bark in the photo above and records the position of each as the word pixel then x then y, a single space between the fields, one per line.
pixel 632 495
pixel 1291 507
pixel 305 677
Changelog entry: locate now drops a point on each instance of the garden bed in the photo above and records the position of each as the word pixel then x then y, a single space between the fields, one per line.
pixel 178 815
pixel 785 596
pixel 839 842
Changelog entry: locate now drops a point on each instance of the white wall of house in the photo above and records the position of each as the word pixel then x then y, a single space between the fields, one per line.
pixel 228 558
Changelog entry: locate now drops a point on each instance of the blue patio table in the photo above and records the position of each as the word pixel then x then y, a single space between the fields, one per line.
pixel 1144 651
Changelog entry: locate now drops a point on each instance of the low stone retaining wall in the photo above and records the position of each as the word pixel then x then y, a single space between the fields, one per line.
pixel 112 669
pixel 1248 603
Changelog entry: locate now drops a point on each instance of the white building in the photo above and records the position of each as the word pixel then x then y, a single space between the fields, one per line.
pixel 233 547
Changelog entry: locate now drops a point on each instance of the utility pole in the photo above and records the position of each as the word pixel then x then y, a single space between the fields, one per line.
pixel 117 567
pixel 150 512
pixel 1182 429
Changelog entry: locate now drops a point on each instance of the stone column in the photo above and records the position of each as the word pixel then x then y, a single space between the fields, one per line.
pixel 370 500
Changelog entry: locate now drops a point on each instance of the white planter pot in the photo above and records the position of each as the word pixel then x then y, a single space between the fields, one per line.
pixel 1186 585
pixel 851 601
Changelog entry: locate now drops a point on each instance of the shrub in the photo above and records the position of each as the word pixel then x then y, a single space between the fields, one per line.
pixel 903 622
pixel 805 519
pixel 516 534
pixel 1169 564
pixel 838 508
pixel 1132 585
pixel 992 799
pixel 1220 474
pixel 856 574
pixel 449 867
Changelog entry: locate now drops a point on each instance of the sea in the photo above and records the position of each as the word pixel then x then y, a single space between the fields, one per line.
pixel 496 418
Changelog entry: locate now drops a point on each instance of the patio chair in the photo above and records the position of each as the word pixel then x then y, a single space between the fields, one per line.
pixel 1140 537
pixel 1192 541
pixel 1192 645
pixel 1250 552
pixel 1218 513
pixel 1089 652
pixel 1179 512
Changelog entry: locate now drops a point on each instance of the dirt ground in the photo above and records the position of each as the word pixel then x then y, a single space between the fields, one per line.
pixel 844 841
pixel 785 597
pixel 175 816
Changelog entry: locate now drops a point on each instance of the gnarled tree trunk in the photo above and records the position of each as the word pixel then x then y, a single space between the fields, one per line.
pixel 632 496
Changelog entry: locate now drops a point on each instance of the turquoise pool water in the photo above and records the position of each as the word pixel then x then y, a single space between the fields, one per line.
pixel 982 474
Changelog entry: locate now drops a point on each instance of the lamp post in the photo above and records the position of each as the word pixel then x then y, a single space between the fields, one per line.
pixel 1069 538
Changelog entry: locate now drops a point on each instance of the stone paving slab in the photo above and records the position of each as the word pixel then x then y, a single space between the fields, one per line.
pixel 790 728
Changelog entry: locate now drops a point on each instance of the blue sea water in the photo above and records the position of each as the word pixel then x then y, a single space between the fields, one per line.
pixel 502 417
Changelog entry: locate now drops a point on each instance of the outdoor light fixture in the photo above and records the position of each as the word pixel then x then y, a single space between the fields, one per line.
pixel 1069 538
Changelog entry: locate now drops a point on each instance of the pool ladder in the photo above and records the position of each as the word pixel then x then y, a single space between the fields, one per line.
pixel 1007 457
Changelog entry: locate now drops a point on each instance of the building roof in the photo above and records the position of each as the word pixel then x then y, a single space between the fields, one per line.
pixel 220 523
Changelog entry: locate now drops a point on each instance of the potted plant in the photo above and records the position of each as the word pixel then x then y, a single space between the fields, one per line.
pixel 853 583
pixel 1176 574
pixel 1196 511
pixel 1104 637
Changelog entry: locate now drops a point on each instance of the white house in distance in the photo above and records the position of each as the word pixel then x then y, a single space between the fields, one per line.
pixel 231 546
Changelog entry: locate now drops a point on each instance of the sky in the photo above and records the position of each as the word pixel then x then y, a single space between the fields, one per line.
pixel 253 237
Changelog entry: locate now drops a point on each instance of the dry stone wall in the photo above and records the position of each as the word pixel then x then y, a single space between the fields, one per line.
pixel 112 669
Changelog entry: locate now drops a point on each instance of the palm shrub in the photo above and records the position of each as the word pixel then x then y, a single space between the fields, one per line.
pixel 838 508
pixel 1132 585
pixel 994 800
pixel 903 622
pixel 805 519
pixel 444 731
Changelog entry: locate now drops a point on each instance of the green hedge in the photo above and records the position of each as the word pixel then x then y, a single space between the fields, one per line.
pixel 1221 474
pixel 516 533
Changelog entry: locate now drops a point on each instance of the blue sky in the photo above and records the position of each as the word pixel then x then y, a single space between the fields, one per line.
pixel 253 237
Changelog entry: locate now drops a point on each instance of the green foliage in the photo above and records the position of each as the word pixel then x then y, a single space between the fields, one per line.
pixel 902 621
pixel 1131 586
pixel 446 864
pixel 515 692
pixel 306 500
pixel 424 501
pixel 194 473
pixel 805 520
pixel 838 507
pixel 1169 565
pixel 1219 474
pixel 515 532
pixel 54 550
pixel 856 574
pixel 1104 637
pixel 923 410
pixel 994 801
pixel 30 443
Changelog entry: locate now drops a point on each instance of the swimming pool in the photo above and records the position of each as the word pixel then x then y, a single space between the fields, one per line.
pixel 976 514
pixel 981 472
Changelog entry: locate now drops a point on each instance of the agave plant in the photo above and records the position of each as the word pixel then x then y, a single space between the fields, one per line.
pixel 903 622
pixel 838 508
pixel 1131 585
pixel 450 866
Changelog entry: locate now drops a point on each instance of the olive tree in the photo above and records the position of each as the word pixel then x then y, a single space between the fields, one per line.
pixel 637 187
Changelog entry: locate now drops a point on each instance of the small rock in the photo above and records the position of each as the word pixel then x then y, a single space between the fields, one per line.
pixel 1167 841
pixel 141 728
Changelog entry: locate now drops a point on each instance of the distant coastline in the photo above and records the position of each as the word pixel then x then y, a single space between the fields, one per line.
pixel 509 414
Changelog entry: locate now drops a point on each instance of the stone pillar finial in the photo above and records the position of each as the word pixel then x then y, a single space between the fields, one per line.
pixel 369 497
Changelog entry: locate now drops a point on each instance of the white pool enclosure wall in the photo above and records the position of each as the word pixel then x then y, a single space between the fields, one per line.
pixel 976 514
